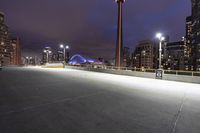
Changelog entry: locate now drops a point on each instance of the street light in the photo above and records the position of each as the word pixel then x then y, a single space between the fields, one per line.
pixel 161 38
pixel 27 60
pixel 47 51
pixel 64 47
pixel 119 45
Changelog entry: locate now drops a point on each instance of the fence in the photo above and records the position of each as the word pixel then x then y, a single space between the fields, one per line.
pixel 170 72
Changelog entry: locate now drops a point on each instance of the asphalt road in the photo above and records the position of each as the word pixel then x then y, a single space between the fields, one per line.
pixel 35 100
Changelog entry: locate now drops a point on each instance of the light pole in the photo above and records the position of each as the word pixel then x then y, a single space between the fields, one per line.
pixel 119 45
pixel 161 38
pixel 64 47
pixel 27 58
pixel 47 51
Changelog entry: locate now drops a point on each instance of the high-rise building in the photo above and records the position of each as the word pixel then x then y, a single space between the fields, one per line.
pixel 189 30
pixel 57 56
pixel 16 51
pixel 189 60
pixel 143 56
pixel 189 65
pixel 195 41
pixel 5 45
pixel 175 56
pixel 126 57
pixel 195 7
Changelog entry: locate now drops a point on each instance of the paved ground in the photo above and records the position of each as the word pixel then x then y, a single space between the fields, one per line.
pixel 34 100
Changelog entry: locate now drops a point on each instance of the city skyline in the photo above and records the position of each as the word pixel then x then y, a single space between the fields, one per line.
pixel 95 30
pixel 99 66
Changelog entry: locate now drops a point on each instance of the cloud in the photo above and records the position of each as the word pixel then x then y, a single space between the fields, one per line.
pixel 90 25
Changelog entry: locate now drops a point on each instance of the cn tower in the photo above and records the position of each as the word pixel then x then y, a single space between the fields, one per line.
pixel 119 46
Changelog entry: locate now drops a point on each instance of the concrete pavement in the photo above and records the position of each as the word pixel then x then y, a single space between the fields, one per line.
pixel 35 100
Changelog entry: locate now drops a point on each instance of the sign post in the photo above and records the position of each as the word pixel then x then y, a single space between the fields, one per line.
pixel 159 74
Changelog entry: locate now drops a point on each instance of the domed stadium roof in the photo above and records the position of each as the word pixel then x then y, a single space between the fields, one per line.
pixel 78 60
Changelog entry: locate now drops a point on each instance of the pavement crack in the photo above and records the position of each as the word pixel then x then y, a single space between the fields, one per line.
pixel 177 115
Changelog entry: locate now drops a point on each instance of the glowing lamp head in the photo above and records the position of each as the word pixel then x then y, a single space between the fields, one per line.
pixel 61 46
pixel 50 52
pixel 159 35
pixel 45 51
pixel 67 47
pixel 162 38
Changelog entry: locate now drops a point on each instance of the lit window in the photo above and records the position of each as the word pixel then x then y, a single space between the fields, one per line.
pixel 198 60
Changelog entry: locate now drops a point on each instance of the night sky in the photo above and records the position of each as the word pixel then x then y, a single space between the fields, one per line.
pixel 89 26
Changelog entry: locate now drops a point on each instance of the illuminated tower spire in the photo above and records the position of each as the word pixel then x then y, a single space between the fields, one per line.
pixel 119 46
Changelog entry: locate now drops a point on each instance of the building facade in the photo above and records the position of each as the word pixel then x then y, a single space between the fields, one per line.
pixel 16 51
pixel 189 65
pixel 58 56
pixel 143 56
pixel 47 55
pixel 126 57
pixel 175 56
pixel 194 41
pixel 5 45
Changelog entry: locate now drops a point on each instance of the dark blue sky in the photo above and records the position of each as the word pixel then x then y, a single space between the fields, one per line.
pixel 89 26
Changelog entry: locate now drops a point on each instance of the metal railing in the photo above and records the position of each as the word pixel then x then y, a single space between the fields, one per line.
pixel 172 72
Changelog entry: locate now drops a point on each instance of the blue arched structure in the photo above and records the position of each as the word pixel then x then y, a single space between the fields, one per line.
pixel 78 60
